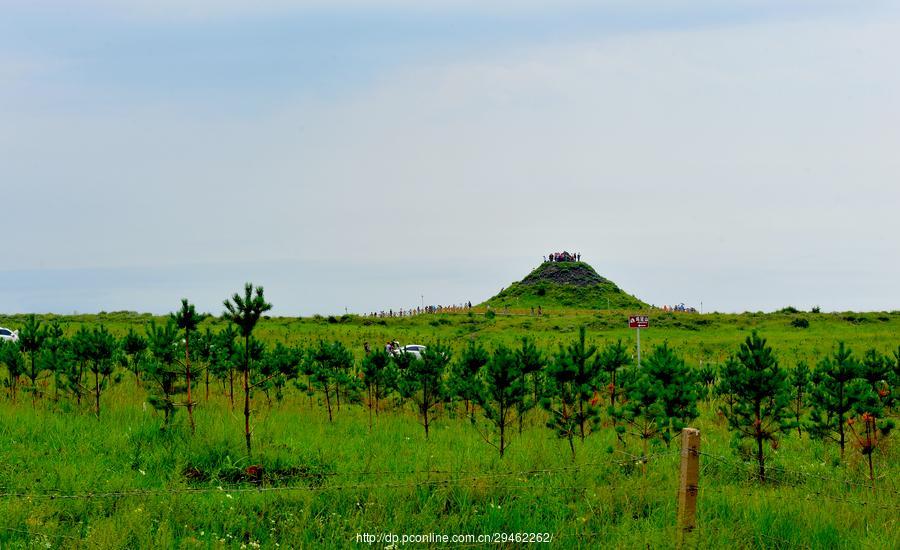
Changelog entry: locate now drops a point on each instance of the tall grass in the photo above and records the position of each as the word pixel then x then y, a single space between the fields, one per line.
pixel 326 482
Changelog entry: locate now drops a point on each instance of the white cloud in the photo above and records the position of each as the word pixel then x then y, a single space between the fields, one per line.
pixel 763 128
pixel 722 149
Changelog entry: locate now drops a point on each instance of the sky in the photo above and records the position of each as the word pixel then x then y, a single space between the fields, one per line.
pixel 357 155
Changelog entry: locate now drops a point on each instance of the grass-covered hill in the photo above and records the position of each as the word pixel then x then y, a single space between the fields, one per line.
pixel 568 285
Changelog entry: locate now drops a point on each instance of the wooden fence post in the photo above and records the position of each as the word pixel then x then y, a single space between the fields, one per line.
pixel 687 489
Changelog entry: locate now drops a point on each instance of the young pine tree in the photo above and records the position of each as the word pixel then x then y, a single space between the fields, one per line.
pixel 423 382
pixel 762 409
pixel 466 380
pixel 379 377
pixel 245 311
pixel 57 357
pixel 81 346
pixel 799 381
pixel 222 359
pixel 531 362
pixel 660 398
pixel 202 346
pixel 501 394
pixel 327 366
pixel 277 367
pixel 31 339
pixel 875 369
pixel 160 367
pixel 869 427
pixel 187 319
pixel 569 382
pixel 133 348
pixel 11 358
pixel 836 387
pixel 612 359
pixel 102 351
pixel 724 390
pixel 581 376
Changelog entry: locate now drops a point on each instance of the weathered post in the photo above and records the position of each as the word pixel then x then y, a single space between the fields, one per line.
pixel 687 489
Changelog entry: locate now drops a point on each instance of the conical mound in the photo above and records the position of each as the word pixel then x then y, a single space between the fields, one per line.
pixel 565 284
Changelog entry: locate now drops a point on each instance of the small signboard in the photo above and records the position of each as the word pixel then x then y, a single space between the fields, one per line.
pixel 638 321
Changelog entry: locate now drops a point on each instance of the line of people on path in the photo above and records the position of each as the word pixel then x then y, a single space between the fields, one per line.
pixel 465 306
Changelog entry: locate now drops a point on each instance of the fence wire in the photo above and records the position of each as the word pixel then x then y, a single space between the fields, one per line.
pixel 460 478
pixel 751 470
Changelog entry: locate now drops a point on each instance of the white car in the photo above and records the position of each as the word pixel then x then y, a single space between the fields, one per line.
pixel 415 349
pixel 10 335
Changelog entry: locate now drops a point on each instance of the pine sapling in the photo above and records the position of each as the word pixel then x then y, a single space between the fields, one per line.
pixel 245 311
pixel 762 409
pixel 187 319
pixel 423 382
pixel 501 394
pixel 836 387
pixel 799 381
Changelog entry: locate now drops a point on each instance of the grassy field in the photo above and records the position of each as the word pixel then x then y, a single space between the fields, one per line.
pixel 69 481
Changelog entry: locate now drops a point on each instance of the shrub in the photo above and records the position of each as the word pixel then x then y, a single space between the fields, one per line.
pixel 800 323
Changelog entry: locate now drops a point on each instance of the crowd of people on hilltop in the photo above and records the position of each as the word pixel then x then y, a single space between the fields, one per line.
pixel 563 257
pixel 465 306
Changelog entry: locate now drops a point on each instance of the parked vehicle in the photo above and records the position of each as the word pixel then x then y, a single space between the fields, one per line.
pixel 414 349
pixel 10 335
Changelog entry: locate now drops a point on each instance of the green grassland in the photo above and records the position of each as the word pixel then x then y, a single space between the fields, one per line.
pixel 68 480
pixel 699 338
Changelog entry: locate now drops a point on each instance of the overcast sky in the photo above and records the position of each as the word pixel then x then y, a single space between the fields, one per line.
pixel 367 154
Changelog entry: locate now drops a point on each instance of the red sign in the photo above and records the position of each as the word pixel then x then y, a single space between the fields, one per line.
pixel 638 321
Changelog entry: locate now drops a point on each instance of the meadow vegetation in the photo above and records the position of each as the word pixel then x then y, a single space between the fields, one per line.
pixel 121 430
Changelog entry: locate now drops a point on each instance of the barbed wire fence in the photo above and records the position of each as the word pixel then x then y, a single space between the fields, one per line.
pixel 461 477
